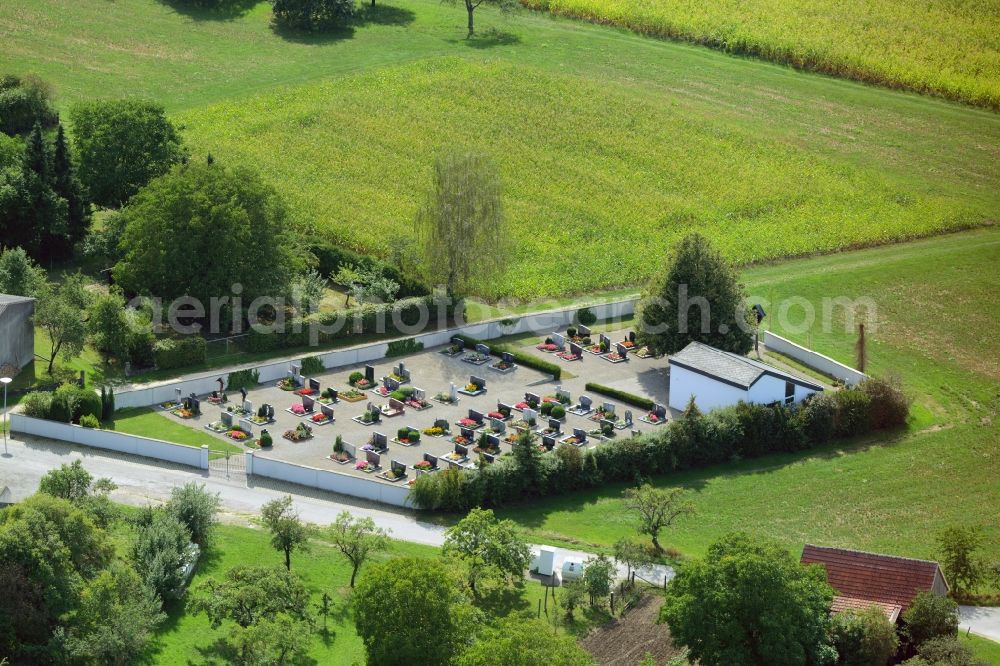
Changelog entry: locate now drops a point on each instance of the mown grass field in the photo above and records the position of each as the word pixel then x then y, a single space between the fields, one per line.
pixel 937 310
pixel 950 49
pixel 607 141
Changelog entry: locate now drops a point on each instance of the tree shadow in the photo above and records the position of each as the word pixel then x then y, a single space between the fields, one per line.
pixel 500 601
pixel 490 38
pixel 383 15
pixel 212 10
pixel 317 38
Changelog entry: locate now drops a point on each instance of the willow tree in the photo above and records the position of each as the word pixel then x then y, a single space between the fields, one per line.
pixel 462 226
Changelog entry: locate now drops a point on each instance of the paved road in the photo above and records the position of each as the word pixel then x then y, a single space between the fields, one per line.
pixel 143 481
pixel 982 620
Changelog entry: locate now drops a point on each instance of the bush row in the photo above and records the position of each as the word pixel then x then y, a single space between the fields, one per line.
pixel 331 258
pixel 743 431
pixel 68 404
pixel 180 352
pixel 520 357
pixel 378 318
pixel 621 396
pixel 403 347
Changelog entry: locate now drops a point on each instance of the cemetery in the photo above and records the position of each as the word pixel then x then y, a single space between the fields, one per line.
pixel 394 420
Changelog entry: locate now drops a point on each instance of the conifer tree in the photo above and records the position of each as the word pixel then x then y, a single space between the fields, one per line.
pixel 67 184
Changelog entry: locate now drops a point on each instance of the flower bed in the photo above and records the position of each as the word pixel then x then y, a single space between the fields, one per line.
pixel 364 466
pixel 445 399
pixel 304 391
pixel 453 350
pixel 237 435
pixel 341 457
pixel 436 431
pixel 469 423
pixel 596 350
pixel 425 466
pixel 407 437
pixel 499 416
pixel 572 440
pixel 169 405
pixel 353 395
pixel 476 358
pixel 217 426
pixel 386 410
pixel 471 390
pixel 417 404
pixel 548 347
pixel 319 418
pixel 368 418
pixel 569 356
pixel 260 420
pixel 183 413
pixel 215 400
pixel 297 410
pixel 644 352
pixel 326 397
pixel 454 457
pixel 362 384
pixel 287 384
pixel 301 433
pixel 503 366
pixel 464 441
pixel 391 476
pixel 237 410
pixel 614 357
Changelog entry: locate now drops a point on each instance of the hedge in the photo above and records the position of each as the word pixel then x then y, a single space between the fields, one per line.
pixel 69 403
pixel 697 440
pixel 180 352
pixel 403 347
pixel 368 318
pixel 331 258
pixel 520 357
pixel 622 396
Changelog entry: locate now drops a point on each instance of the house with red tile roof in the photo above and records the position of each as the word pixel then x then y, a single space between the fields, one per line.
pixel 862 579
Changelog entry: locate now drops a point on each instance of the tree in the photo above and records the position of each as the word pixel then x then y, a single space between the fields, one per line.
pixel 572 596
pixel 523 641
pixel 863 637
pixel 58 311
pixel 409 611
pixel 631 554
pixel 24 102
pixel 312 15
pixel 196 508
pixel 471 5
pixel 347 276
pixel 117 615
pixel 276 639
pixel 959 558
pixel 656 509
pixel 489 548
pixel 75 484
pixel 288 532
pixel 461 223
pixel 19 274
pixel 357 539
pixel 43 213
pixel 944 651
pixel 598 577
pixel 749 602
pixel 67 185
pixel 246 595
pixel 930 616
pixel 122 145
pixel 108 325
pixel 698 297
pixel 529 462
pixel 199 229
pixel 159 552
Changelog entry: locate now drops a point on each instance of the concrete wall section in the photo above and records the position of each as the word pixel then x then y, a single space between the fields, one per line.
pixel 112 441
pixel 17 332
pixel 333 481
pixel 813 359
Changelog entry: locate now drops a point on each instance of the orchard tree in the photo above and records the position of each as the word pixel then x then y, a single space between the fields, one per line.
pixel 288 532
pixel 488 547
pixel 357 539
pixel 122 145
pixel 598 577
pixel 201 228
pixel 656 509
pixel 525 642
pixel 697 297
pixel 461 223
pixel 60 311
pixel 631 554
pixel 409 611
pixel 749 602
pixel 471 5
pixel 247 594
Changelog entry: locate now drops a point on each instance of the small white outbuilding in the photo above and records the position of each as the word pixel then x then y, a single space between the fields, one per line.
pixel 719 378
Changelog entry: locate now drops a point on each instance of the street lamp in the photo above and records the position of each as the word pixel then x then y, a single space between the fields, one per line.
pixel 5 381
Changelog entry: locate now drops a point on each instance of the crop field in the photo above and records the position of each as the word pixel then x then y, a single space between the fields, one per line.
pixel 607 141
pixel 951 49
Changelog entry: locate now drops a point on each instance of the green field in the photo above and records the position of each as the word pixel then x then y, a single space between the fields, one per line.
pixel 607 141
pixel 950 49
pixel 146 422
pixel 937 311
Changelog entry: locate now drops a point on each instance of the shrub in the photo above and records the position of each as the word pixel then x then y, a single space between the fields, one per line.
pixel 558 412
pixel 585 316
pixel 70 403
pixel 332 257
pixel 818 414
pixel 312 365
pixel 37 404
pixel 853 415
pixel 338 444
pixel 546 408
pixel 242 379
pixel 623 396
pixel 89 421
pixel 312 15
pixel 25 100
pixel 265 438
pixel 61 408
pixel 889 405
pixel 863 636
pixel 355 377
pixel 930 616
pixel 180 352
pixel 403 347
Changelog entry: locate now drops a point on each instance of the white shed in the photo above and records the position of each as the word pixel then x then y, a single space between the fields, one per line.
pixel 718 378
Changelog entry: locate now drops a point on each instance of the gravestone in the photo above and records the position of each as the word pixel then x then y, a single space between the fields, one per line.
pixel 504 408
pixel 467 433
pixel 575 349
pixel 419 394
pixel 563 395
pixel 308 404
pixel 580 435
pixel 532 397
pixel 379 441
pixel 604 340
pixel 390 384
pixel 498 426
pixel 373 458
pixel 458 342
pixel 350 450
pixel 314 385
pixel 398 468
pixel 585 403
pixel 483 349
pixel 270 412
pixel 607 423
pixel 462 451
pixel 631 337
pixel 370 373
pixel 558 340
pixel 528 414
pixel 659 410
pixel 327 411
pixel 608 408
pixel 431 459
pixel 453 393
pixel 583 331
pixel 489 457
pixel 476 416
pixel 333 395
pixel 554 424
pixel 549 441
pixel 492 441
pixel 248 406
pixel 628 418
pixel 395 405
pixel 479 382
pixel 621 349
pixel 177 396
pixel 227 419
pixel 441 423
pixel 246 425
pixel 507 357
